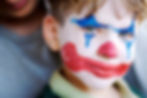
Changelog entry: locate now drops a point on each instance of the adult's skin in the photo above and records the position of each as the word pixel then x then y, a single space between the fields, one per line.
pixel 21 16
pixel 25 62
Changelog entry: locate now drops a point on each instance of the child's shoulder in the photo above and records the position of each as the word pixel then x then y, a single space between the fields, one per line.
pixel 62 87
pixel 124 89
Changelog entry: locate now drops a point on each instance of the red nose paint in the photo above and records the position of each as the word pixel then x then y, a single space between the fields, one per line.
pixel 77 63
pixel 108 50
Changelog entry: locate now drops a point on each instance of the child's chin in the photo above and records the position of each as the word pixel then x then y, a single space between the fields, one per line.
pixel 94 82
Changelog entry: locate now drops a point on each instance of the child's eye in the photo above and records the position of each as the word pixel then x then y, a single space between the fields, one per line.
pixel 101 30
pixel 89 28
pixel 127 36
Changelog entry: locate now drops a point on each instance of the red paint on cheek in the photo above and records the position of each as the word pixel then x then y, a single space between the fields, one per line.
pixel 77 63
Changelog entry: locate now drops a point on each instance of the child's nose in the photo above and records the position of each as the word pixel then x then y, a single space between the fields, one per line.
pixel 108 50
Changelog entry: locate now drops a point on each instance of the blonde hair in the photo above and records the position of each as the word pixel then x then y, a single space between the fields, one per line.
pixel 62 8
pixel 139 7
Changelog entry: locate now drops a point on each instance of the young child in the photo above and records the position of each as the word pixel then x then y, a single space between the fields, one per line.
pixel 97 42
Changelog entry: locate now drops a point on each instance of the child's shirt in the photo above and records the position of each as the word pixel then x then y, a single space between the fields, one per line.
pixel 65 89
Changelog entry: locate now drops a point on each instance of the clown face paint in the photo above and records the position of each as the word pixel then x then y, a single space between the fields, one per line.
pixel 88 38
pixel 128 47
pixel 91 23
pixel 97 50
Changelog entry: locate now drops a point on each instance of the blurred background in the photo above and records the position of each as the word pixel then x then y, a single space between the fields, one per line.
pixel 25 62
pixel 136 77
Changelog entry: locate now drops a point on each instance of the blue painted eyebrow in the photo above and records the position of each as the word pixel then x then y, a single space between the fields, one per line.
pixel 129 30
pixel 91 22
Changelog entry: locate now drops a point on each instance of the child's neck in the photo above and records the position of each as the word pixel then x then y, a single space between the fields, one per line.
pixel 106 92
pixel 74 80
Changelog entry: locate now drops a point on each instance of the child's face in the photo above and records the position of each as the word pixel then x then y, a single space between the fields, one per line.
pixel 98 49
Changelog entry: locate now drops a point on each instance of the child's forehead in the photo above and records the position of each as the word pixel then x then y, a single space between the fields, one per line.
pixel 108 14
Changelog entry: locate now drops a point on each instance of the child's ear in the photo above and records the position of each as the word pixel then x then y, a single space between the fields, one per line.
pixel 50 33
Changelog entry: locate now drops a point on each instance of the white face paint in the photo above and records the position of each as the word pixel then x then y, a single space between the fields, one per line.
pixel 100 56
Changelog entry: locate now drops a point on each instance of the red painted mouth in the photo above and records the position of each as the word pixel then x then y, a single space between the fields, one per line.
pixel 77 63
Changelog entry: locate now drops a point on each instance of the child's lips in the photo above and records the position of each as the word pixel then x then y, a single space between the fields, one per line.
pixel 105 70
pixel 20 4
pixel 78 63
